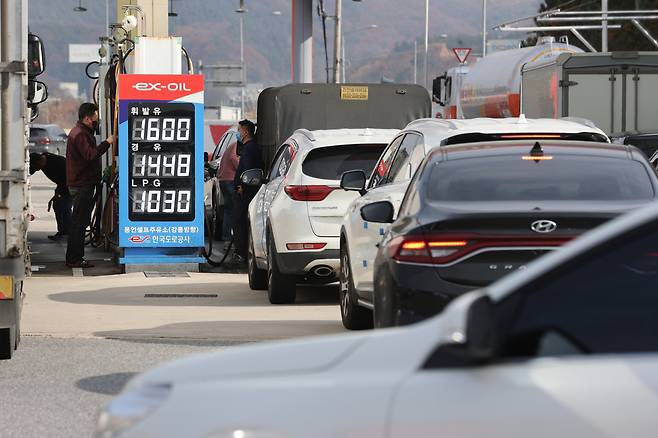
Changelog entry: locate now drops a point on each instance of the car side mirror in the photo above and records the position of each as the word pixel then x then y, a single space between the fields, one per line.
pixel 206 157
pixel 437 85
pixel 470 330
pixel 381 212
pixel 37 92
pixel 354 181
pixel 36 63
pixel 252 177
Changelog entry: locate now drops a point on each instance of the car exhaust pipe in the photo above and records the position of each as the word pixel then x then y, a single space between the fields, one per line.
pixel 323 271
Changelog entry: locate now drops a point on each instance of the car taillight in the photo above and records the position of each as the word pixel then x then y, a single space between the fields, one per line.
pixel 528 136
pixel 441 249
pixel 419 249
pixel 308 193
pixel 303 246
pixel 44 140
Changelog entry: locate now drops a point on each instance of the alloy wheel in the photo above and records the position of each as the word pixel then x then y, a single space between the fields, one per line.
pixel 344 285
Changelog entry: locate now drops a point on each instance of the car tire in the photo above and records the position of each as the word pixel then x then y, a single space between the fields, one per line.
pixel 7 342
pixel 257 276
pixel 281 288
pixel 354 316
pixel 384 308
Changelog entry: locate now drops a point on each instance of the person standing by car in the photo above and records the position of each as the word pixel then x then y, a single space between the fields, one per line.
pixel 83 174
pixel 228 166
pixel 250 158
pixel 54 167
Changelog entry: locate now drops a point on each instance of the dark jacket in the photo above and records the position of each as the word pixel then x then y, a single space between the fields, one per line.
pixel 251 158
pixel 83 163
pixel 55 170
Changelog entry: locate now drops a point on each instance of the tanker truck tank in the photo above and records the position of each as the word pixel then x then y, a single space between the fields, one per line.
pixel 492 87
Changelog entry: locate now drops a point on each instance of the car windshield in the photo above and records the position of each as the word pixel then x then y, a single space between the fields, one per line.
pixel 331 162
pixel 563 177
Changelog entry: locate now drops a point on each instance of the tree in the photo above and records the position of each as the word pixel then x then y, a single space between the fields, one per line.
pixel 628 38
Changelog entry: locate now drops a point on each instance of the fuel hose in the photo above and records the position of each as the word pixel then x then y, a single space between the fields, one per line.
pixel 207 252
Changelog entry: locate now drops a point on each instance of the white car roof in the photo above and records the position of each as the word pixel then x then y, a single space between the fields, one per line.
pixel 436 130
pixel 332 137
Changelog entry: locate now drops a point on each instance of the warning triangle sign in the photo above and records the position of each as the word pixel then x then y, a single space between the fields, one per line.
pixel 462 53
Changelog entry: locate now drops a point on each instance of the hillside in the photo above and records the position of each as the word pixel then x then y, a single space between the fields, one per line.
pixel 210 32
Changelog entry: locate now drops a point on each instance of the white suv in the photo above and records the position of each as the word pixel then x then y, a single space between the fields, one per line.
pixel 296 216
pixel 389 180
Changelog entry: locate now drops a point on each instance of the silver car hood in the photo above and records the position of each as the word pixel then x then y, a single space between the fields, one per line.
pixel 395 350
pixel 260 360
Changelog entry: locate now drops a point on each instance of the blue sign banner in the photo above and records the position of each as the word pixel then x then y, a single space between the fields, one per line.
pixel 161 161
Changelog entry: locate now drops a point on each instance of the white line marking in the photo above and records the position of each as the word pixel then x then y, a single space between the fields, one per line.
pixel 77 272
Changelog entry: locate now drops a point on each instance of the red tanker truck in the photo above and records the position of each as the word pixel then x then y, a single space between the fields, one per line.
pixel 617 91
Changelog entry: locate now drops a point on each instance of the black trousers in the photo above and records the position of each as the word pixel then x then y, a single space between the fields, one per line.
pixel 241 219
pixel 83 204
pixel 62 208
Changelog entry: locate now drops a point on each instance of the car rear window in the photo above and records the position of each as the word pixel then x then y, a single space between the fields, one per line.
pixel 647 144
pixel 38 133
pixel 331 162
pixel 56 130
pixel 566 177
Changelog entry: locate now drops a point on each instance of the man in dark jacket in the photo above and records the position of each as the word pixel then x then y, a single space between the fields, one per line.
pixel 54 167
pixel 250 158
pixel 83 174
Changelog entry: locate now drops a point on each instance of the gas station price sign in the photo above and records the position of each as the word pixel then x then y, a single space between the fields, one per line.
pixel 161 161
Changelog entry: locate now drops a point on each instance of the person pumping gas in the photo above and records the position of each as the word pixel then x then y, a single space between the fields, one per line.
pixel 250 158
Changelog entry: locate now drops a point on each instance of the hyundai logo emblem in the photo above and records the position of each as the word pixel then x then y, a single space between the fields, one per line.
pixel 543 226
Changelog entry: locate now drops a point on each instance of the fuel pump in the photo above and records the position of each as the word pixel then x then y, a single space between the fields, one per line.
pixel 152 208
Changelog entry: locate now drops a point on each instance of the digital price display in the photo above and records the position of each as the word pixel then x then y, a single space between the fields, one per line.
pixel 160 162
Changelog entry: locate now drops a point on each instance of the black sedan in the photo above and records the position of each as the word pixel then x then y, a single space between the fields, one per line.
pixel 476 212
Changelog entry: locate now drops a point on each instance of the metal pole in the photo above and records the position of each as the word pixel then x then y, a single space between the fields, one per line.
pixel 337 42
pixel 555 28
pixel 344 59
pixel 484 27
pixel 645 32
pixel 244 73
pixel 604 24
pixel 107 18
pixel 583 40
pixel 415 61
pixel 609 17
pixel 427 32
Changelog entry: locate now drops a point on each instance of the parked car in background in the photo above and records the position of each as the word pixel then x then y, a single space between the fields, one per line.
pixel 296 215
pixel 476 212
pixel 389 181
pixel 567 347
pixel 47 138
pixel 646 141
pixel 213 200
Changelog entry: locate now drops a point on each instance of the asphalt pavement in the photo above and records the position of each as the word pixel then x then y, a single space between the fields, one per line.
pixel 86 332
pixel 55 387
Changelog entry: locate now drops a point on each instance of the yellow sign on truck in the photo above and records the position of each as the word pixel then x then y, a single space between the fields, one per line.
pixel 352 92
